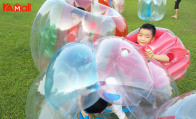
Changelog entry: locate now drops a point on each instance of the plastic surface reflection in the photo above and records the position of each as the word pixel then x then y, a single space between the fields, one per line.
pixel 59 22
pixel 181 107
pixel 72 77
pixel 166 43
pixel 119 63
pixel 112 69
pixel 36 104
pixel 125 78
pixel 151 10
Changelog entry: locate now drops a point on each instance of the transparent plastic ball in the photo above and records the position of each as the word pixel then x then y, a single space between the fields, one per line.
pixel 112 69
pixel 181 107
pixel 120 64
pixel 151 10
pixel 164 89
pixel 127 78
pixel 36 105
pixel 71 78
pixel 59 22
pixel 68 86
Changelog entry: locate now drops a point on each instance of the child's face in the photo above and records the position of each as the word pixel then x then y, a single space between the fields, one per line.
pixel 76 19
pixel 145 37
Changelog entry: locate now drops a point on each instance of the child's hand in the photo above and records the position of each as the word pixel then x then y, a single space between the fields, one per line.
pixel 149 53
pixel 163 57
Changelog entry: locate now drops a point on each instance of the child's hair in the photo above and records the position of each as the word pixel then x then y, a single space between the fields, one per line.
pixel 81 8
pixel 149 27
pixel 98 107
pixel 78 12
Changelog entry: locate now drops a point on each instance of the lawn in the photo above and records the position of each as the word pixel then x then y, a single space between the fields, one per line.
pixel 17 70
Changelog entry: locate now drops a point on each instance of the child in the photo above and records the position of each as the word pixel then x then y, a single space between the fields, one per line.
pixel 146 36
pixel 100 106
pixel 176 7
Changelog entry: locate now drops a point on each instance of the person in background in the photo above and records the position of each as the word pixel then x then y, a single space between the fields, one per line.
pixel 176 7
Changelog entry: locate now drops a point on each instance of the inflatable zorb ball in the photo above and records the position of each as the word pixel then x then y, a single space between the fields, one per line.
pixel 117 65
pixel 164 89
pixel 71 78
pixel 127 79
pixel 59 22
pixel 181 107
pixel 151 10
pixel 123 75
pixel 68 86
pixel 36 105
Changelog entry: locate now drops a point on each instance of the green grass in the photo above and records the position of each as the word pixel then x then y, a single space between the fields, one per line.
pixel 17 70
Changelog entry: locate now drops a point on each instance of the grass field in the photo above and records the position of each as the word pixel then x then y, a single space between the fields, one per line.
pixel 17 70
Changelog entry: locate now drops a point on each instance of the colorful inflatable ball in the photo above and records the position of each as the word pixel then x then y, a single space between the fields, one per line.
pixel 151 10
pixel 59 22
pixel 166 43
